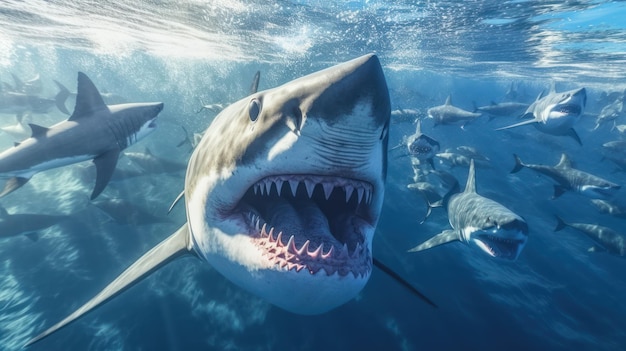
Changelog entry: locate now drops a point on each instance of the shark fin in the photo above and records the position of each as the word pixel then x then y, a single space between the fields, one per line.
pixel 60 98
pixel 418 128
pixel 470 186
pixel 402 282
pixel 105 166
pixel 16 144
pixel 448 100
pixel 518 164
pixel 32 236
pixel 444 237
pixel 13 184
pixel 431 162
pixel 37 130
pixel 180 196
pixel 173 247
pixel 558 191
pixel 571 132
pixel 254 87
pixel 560 224
pixel 88 99
pixel 564 162
pixel 523 123
pixel 19 85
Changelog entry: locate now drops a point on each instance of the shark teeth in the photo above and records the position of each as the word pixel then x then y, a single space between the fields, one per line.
pixel 287 254
pixel 363 191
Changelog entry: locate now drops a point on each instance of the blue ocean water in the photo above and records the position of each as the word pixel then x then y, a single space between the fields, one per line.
pixel 555 296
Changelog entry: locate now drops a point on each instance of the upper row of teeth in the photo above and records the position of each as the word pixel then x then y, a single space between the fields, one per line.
pixel 363 190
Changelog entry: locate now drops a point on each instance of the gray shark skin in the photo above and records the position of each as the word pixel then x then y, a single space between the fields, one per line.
pixel 556 113
pixel 606 239
pixel 569 178
pixel 503 109
pixel 610 113
pixel 28 224
pixel 20 102
pixel 420 145
pixel 449 114
pixel 482 223
pixel 405 115
pixel 94 131
pixel 609 208
pixel 284 191
pixel 153 164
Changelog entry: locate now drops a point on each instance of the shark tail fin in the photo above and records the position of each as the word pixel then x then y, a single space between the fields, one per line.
pixel 444 237
pixel 560 224
pixel 172 247
pixel 60 98
pixel 402 281
pixel 518 164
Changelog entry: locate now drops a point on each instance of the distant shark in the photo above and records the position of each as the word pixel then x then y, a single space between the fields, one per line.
pixel 482 223
pixel 449 114
pixel 606 239
pixel 28 224
pixel 420 145
pixel 569 178
pixel 556 113
pixel 94 131
pixel 504 109
pixel 284 191
pixel 20 102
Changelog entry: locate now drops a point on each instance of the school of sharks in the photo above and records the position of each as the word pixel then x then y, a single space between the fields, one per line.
pixel 284 189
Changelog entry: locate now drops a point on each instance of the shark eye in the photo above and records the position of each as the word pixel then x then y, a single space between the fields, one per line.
pixel 254 109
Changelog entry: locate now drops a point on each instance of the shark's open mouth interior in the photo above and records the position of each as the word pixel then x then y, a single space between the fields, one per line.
pixel 570 109
pixel 311 222
pixel 501 247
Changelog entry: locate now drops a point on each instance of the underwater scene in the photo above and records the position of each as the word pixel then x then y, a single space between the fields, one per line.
pixel 306 175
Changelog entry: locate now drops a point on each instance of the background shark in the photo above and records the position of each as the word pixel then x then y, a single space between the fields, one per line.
pixel 481 222
pixel 449 114
pixel 570 178
pixel 606 239
pixel 420 145
pixel 94 131
pixel 284 192
pixel 556 113
pixel 28 224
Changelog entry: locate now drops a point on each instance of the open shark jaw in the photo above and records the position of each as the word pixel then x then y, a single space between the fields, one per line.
pixel 316 223
pixel 505 242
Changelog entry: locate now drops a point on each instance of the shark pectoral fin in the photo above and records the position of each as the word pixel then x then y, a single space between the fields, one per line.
pixel 444 237
pixel 571 132
pixel 431 162
pixel 558 191
pixel 402 282
pixel 105 166
pixel 174 246
pixel 13 184
pixel 180 196
pixel 530 121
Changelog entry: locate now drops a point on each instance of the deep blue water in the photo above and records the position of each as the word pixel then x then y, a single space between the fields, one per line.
pixel 556 296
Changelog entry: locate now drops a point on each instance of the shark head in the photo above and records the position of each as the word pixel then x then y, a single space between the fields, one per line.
pixel 600 189
pixel 285 189
pixel 504 238
pixel 561 110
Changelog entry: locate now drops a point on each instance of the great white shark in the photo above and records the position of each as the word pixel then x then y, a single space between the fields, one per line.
pixel 284 191
pixel 93 131
pixel 570 178
pixel 420 145
pixel 605 239
pixel 450 114
pixel 482 223
pixel 556 113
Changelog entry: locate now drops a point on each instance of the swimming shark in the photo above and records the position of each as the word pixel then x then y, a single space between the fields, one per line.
pixel 449 114
pixel 569 178
pixel 93 131
pixel 613 209
pixel 481 222
pixel 556 113
pixel 28 224
pixel 606 239
pixel 507 108
pixel 420 145
pixel 284 191
pixel 20 102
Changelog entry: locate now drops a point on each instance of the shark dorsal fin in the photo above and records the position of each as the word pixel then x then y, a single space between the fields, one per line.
pixel 470 186
pixel 37 130
pixel 564 162
pixel 174 246
pixel 88 99
pixel 418 128
pixel 540 95
pixel 449 100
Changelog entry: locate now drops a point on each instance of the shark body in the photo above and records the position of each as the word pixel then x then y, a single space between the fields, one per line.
pixel 556 113
pixel 569 178
pixel 450 114
pixel 482 223
pixel 420 145
pixel 284 191
pixel 93 131
pixel 28 224
pixel 605 239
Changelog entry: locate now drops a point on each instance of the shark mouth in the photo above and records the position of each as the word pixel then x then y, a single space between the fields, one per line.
pixel 500 247
pixel 422 149
pixel 569 109
pixel 306 223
